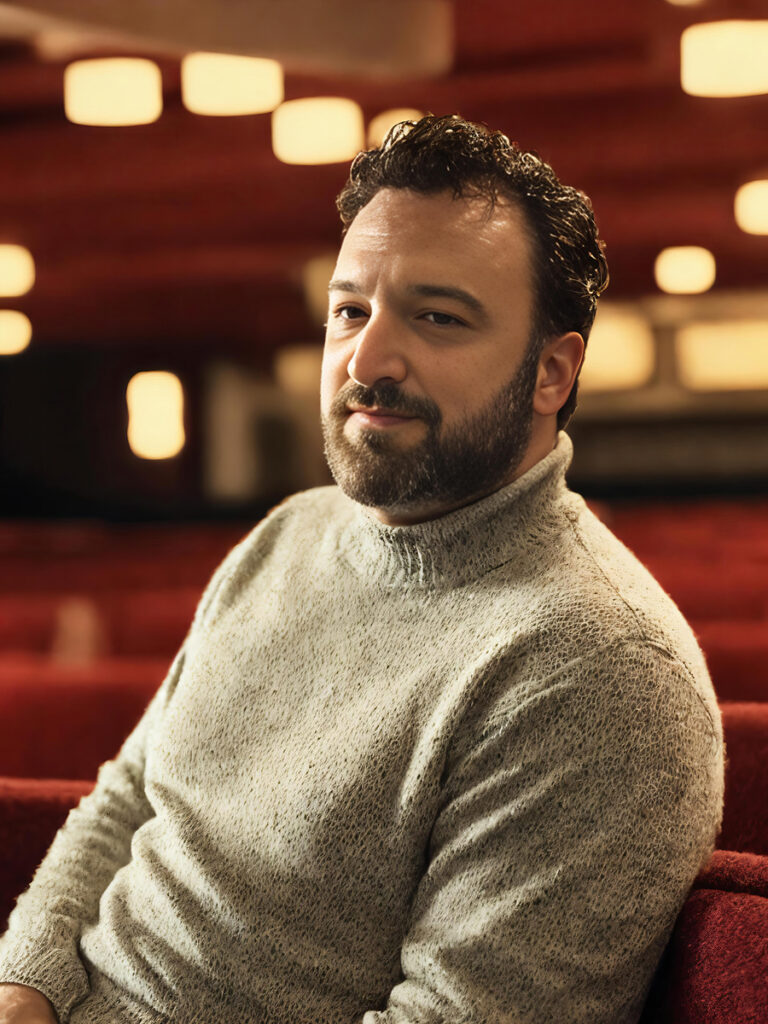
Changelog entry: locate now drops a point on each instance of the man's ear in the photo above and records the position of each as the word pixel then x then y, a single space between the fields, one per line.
pixel 559 363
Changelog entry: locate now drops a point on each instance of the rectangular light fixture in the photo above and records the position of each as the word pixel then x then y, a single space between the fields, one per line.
pixel 317 130
pixel 155 415
pixel 621 351
pixel 17 270
pixel 751 207
pixel 226 85
pixel 113 91
pixel 725 58
pixel 723 356
pixel 15 332
pixel 685 270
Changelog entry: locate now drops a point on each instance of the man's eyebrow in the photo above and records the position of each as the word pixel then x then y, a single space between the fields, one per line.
pixel 342 286
pixel 444 291
pixel 428 291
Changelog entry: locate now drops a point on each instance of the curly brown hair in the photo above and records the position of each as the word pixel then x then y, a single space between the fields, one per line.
pixel 436 154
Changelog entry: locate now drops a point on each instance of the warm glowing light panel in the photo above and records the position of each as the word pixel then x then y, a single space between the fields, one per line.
pixel 725 58
pixel 15 332
pixel 113 91
pixel 223 85
pixel 155 415
pixel 17 270
pixel 621 352
pixel 685 270
pixel 751 207
pixel 320 130
pixel 723 356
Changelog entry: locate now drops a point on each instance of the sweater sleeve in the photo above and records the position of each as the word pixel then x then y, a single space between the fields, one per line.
pixel 41 946
pixel 569 833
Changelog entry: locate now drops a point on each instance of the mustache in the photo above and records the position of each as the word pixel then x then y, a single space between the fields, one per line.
pixel 389 396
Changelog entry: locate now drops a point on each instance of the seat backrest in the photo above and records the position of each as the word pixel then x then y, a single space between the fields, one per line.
pixel 31 812
pixel 715 967
pixel 745 818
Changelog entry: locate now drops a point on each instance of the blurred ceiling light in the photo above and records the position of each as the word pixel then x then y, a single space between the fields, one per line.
pixel 155 415
pixel 15 332
pixel 381 124
pixel 320 130
pixel 621 352
pixel 724 356
pixel 751 207
pixel 685 3
pixel 223 85
pixel 685 270
pixel 315 275
pixel 297 369
pixel 113 91
pixel 17 270
pixel 725 58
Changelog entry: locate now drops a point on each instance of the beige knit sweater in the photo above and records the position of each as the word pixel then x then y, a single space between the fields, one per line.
pixel 461 771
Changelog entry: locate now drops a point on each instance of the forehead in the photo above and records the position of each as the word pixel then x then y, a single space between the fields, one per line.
pixel 409 233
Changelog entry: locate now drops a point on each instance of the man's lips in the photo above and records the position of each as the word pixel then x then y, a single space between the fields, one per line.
pixel 377 416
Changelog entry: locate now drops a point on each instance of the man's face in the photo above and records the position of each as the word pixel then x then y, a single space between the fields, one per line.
pixel 430 320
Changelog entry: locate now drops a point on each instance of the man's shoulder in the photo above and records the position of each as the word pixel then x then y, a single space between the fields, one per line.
pixel 610 582
pixel 591 599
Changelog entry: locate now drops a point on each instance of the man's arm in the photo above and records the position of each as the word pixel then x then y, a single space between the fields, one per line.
pixel 40 948
pixel 570 831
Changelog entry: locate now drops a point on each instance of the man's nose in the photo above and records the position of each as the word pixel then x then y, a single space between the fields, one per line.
pixel 378 352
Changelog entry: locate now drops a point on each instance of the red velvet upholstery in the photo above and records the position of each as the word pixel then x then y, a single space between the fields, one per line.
pixel 86 558
pixel 715 968
pixel 151 623
pixel 64 721
pixel 733 527
pixel 739 590
pixel 745 820
pixel 31 812
pixel 134 623
pixel 737 656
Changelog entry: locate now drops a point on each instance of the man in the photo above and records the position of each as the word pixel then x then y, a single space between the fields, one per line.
pixel 436 748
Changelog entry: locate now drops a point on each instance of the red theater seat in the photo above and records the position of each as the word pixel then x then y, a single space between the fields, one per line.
pixel 31 812
pixel 715 968
pixel 151 623
pixel 136 623
pixel 705 590
pixel 63 721
pixel 737 656
pixel 39 558
pixel 745 820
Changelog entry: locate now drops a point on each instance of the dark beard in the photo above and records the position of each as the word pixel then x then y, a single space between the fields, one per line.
pixel 470 460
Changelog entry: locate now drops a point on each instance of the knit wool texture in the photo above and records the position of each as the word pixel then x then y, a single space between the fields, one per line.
pixel 460 771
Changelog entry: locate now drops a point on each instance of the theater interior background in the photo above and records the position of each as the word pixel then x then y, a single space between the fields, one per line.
pixel 167 231
pixel 187 245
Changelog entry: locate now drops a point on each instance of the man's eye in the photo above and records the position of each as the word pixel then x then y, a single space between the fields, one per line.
pixel 349 312
pixel 442 319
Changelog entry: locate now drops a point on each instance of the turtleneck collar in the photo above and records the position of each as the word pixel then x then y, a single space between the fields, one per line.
pixel 466 543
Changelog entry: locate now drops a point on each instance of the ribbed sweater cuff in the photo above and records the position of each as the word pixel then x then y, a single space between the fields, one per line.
pixel 57 973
